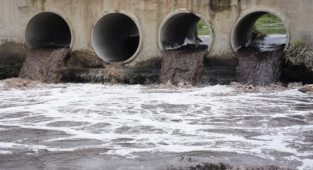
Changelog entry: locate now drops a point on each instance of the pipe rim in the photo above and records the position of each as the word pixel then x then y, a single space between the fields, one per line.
pixel 130 16
pixel 249 12
pixel 184 11
pixel 55 13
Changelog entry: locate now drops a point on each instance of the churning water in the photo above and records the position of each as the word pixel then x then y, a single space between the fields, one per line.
pixel 94 126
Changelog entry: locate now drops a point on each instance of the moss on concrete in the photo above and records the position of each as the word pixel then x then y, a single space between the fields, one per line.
pixel 220 5
pixel 152 63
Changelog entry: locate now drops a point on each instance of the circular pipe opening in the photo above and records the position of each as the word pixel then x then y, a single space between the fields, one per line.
pixel 48 29
pixel 241 34
pixel 116 37
pixel 180 29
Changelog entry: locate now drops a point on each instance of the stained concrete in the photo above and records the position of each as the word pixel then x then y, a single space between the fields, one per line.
pixel 83 59
pixel 12 56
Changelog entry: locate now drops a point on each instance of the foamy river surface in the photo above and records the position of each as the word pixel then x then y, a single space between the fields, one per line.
pixel 96 126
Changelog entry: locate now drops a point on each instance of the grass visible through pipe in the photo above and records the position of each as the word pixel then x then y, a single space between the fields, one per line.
pixel 203 28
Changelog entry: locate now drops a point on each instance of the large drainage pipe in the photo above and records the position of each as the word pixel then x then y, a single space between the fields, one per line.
pixel 48 29
pixel 241 33
pixel 178 30
pixel 116 37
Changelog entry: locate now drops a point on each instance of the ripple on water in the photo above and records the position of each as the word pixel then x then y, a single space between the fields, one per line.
pixel 97 128
pixel 16 115
pixel 139 130
pixel 127 120
pixel 66 124
pixel 30 136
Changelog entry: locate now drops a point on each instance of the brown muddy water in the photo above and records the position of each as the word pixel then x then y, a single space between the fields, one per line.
pixel 156 127
pixel 183 65
pixel 260 68
pixel 44 64
pixel 260 63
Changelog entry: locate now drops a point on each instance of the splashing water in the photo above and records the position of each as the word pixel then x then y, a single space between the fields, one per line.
pixel 59 126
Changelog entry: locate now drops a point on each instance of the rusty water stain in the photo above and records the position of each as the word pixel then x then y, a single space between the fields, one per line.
pixel 220 5
pixel 44 64
pixel 43 5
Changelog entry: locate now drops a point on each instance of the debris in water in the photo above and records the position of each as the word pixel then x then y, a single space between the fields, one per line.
pixel 44 64
pixel 306 89
pixel 183 65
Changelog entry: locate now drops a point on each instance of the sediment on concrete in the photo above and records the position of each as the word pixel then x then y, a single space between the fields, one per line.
pixel 83 59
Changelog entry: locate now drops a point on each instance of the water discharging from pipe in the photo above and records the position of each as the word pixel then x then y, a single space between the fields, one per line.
pixel 259 68
pixel 184 50
pixel 183 65
pixel 44 64
pixel 259 60
pixel 48 37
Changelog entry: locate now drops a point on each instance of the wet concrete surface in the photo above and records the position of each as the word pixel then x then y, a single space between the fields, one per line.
pixel 12 56
pixel 86 126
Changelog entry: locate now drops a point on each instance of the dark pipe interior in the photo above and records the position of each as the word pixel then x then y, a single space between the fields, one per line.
pixel 48 29
pixel 115 37
pixel 243 30
pixel 177 29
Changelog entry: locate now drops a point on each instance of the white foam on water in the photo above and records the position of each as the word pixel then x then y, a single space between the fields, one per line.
pixel 5 152
pixel 130 119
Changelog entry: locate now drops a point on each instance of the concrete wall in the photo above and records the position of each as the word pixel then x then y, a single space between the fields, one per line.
pixel 221 15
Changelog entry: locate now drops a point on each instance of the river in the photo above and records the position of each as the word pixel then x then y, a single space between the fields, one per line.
pixel 96 126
